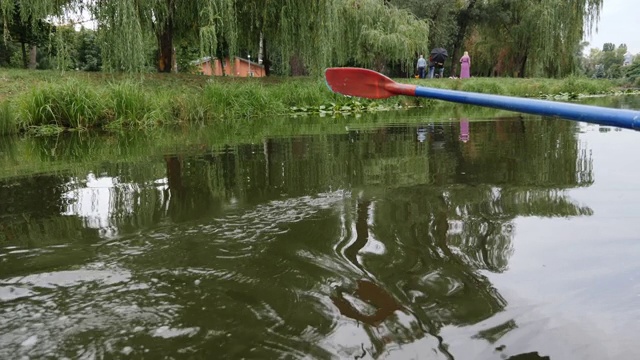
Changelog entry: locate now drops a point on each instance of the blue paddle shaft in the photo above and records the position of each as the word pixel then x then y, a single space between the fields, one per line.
pixel 628 119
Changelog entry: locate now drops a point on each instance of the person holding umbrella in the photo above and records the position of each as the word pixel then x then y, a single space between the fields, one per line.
pixel 436 60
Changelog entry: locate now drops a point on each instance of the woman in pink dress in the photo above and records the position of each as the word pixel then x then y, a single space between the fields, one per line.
pixel 465 66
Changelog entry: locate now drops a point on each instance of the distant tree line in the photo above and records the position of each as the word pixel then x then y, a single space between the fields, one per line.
pixel 611 62
pixel 517 38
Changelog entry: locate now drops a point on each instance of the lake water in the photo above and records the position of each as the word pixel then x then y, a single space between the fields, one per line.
pixel 400 236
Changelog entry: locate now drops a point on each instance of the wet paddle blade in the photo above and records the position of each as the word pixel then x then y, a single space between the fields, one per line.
pixel 361 83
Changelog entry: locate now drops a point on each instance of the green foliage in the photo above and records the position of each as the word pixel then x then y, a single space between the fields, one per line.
pixel 441 15
pixel 73 104
pixel 607 63
pixel 8 119
pixel 633 71
pixel 536 87
pixel 85 100
pixel 483 87
pixel 186 52
pixel 45 130
pixel 7 50
pixel 244 100
pixel 506 38
pixel 599 72
pixel 130 105
pixel 374 35
pixel 26 24
pixel 524 38
pixel 89 54
pixel 311 31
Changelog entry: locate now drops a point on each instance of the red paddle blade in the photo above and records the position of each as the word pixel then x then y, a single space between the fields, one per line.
pixel 364 83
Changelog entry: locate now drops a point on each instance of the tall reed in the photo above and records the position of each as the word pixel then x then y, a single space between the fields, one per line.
pixel 8 119
pixel 128 104
pixel 246 99
pixel 72 104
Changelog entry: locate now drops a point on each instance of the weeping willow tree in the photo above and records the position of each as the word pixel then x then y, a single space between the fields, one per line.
pixel 24 21
pixel 293 34
pixel 300 36
pixel 307 34
pixel 30 11
pixel 219 27
pixel 518 38
pixel 373 34
pixel 127 28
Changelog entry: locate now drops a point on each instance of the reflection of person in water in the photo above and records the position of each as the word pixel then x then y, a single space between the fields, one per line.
pixel 422 134
pixel 464 130
pixel 432 131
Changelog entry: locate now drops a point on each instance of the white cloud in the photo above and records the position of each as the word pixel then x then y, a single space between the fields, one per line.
pixel 618 20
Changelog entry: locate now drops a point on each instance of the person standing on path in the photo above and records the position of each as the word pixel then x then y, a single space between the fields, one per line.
pixel 422 65
pixel 465 66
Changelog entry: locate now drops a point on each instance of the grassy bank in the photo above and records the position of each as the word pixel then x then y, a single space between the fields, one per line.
pixel 49 102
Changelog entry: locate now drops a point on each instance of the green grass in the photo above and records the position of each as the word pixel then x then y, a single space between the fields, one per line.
pixel 71 104
pixel 525 87
pixel 8 119
pixel 79 100
pixel 129 105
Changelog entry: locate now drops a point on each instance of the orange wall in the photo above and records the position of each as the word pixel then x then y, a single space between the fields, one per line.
pixel 205 68
pixel 240 67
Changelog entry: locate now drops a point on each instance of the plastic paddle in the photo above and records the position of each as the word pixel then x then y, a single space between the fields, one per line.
pixel 373 85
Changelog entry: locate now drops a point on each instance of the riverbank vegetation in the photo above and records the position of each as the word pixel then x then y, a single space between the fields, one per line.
pixel 50 102
pixel 102 75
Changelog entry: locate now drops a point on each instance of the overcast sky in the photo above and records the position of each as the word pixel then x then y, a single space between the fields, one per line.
pixel 617 19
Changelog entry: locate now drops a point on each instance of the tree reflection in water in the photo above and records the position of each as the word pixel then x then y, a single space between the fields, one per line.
pixel 439 236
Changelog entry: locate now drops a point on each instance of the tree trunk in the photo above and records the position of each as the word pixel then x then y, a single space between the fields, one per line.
pixel 297 65
pixel 32 57
pixel 25 63
pixel 261 50
pixel 379 64
pixel 174 175
pixel 523 65
pixel 174 62
pixel 165 45
pixel 265 60
pixel 166 56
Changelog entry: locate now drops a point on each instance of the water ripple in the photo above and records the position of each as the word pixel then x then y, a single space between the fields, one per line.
pixel 42 313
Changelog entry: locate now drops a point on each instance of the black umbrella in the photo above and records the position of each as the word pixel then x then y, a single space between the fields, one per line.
pixel 439 55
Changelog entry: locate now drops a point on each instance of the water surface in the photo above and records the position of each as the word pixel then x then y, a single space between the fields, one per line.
pixel 428 238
